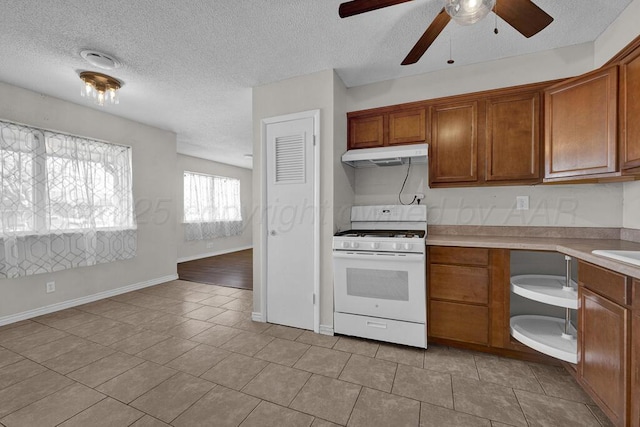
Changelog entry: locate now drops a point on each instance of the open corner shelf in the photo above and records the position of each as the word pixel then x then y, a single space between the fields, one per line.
pixel 544 334
pixel 546 289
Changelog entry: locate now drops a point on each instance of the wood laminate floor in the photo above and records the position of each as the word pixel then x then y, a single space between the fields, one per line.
pixel 233 270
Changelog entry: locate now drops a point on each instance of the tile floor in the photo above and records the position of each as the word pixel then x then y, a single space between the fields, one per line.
pixel 187 354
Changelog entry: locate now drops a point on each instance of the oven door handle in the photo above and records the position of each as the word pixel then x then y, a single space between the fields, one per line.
pixel 368 256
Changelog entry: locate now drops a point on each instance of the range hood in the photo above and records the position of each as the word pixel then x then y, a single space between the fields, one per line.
pixel 386 156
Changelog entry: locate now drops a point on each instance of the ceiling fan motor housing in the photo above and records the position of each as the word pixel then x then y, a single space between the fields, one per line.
pixel 467 12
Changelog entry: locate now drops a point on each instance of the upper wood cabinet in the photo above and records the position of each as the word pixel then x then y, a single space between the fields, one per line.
pixel 513 138
pixel 453 143
pixel 630 112
pixel 581 126
pixel 386 127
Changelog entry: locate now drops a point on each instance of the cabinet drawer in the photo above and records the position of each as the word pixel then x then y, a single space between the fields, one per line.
pixel 455 255
pixel 605 282
pixel 458 283
pixel 460 322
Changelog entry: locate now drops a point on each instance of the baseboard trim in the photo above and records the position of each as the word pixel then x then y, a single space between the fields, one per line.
pixel 216 253
pixel 326 330
pixel 257 317
pixel 84 300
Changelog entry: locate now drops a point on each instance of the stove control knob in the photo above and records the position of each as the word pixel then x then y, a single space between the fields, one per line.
pixel 407 246
pixel 354 245
pixel 375 245
pixel 345 245
pixel 396 246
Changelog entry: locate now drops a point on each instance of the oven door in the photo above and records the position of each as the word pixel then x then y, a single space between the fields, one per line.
pixel 379 284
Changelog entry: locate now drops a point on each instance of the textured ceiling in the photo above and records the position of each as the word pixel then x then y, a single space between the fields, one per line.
pixel 189 66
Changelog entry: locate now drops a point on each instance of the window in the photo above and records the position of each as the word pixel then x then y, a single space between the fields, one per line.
pixel 212 206
pixel 66 201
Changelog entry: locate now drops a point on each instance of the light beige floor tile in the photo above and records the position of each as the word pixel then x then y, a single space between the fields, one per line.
pixel 91 328
pixel 319 340
pixel 278 384
pixel 282 351
pixel 369 372
pixel 217 300
pixel 21 344
pixel 54 348
pixel 323 361
pixel 251 326
pixel 56 316
pixel 284 332
pixel 239 305
pixel 205 313
pixel 548 411
pixel 179 307
pixel 198 360
pixel 141 341
pixel 55 408
pixel 136 381
pixel 487 400
pixel 507 372
pixel 220 407
pixel 357 346
pixel 105 305
pixel 195 296
pixel 378 409
pixel 10 333
pixel 235 371
pixel 106 413
pixel 437 416
pixel 113 335
pixel 270 415
pixel 121 312
pixel 228 317
pixel 78 319
pixel 225 290
pixel 327 398
pixel 318 422
pixel 401 354
pixel 8 357
pixel 172 397
pixel 499 424
pixel 421 384
pixel 557 382
pixel 167 350
pixel 105 369
pixel 600 416
pixel 450 360
pixel 15 325
pixel 149 421
pixel 77 358
pixel 163 323
pixel 19 371
pixel 31 390
pixel 242 294
pixel 247 343
pixel 142 316
pixel 189 328
pixel 216 336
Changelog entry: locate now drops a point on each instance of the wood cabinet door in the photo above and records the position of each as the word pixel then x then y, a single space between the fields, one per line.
pixel 453 149
pixel 603 350
pixel 407 127
pixel 630 111
pixel 366 131
pixel 513 149
pixel 581 125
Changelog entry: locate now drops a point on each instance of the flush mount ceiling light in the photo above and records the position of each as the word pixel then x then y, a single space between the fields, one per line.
pixel 467 12
pixel 100 87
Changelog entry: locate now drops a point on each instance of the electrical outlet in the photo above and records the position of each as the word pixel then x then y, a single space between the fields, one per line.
pixel 51 287
pixel 522 203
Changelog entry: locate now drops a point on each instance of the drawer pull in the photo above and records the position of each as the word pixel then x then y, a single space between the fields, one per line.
pixel 377 325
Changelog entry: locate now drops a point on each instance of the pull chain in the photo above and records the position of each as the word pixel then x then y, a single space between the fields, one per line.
pixel 450 61
pixel 495 14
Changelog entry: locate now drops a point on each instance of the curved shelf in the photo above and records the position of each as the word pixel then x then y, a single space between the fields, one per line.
pixel 546 289
pixel 544 334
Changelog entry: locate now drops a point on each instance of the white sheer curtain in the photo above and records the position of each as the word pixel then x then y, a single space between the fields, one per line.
pixel 212 206
pixel 66 202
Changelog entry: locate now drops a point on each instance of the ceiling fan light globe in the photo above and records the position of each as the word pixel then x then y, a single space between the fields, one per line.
pixel 467 12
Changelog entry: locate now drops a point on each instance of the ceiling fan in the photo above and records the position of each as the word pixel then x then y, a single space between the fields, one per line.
pixel 523 15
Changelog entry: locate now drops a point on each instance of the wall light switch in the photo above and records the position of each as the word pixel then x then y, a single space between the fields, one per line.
pixel 522 203
pixel 51 287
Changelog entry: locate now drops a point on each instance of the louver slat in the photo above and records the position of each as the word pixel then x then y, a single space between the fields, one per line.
pixel 290 159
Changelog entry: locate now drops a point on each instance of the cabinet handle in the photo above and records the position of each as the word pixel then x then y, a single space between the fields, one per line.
pixel 377 325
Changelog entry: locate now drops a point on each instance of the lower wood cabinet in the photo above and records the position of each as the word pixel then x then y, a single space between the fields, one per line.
pixel 634 390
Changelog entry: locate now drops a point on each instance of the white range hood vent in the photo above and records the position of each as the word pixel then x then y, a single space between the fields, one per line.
pixel 386 156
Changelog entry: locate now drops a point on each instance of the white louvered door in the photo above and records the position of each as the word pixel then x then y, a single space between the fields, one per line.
pixel 290 223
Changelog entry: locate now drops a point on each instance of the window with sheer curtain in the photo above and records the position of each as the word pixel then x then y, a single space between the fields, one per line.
pixel 212 206
pixel 66 201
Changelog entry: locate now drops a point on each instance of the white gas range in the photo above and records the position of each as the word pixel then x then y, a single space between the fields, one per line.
pixel 379 275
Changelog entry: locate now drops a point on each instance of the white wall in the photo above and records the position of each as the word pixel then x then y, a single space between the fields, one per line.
pixel 154 165
pixel 204 248
pixel 314 91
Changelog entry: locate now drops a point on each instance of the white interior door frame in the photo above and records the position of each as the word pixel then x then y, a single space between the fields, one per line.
pixel 315 114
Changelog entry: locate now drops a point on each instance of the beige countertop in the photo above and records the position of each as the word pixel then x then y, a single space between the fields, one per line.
pixel 574 247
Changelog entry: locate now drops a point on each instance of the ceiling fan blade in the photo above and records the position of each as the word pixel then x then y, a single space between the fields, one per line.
pixel 436 27
pixel 523 15
pixel 356 7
